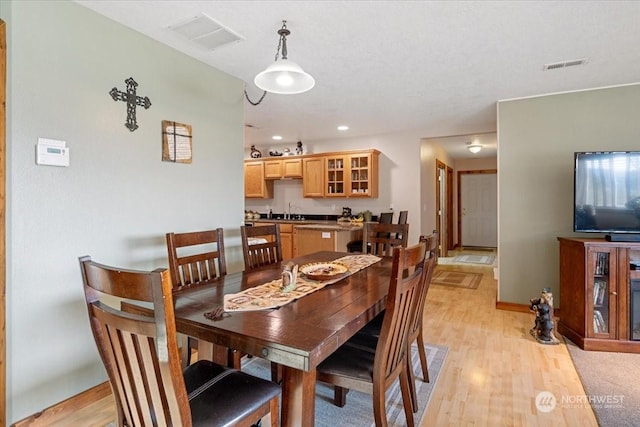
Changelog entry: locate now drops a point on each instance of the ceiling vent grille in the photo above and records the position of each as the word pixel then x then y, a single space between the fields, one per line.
pixel 206 32
pixel 564 64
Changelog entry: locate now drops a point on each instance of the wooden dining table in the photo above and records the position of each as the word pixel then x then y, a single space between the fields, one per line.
pixel 298 335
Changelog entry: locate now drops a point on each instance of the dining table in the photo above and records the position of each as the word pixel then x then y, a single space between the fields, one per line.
pixel 298 335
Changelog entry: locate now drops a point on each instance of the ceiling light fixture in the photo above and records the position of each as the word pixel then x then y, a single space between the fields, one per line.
pixel 283 76
pixel 343 127
pixel 474 147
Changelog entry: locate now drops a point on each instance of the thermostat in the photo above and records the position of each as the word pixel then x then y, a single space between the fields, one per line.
pixel 52 152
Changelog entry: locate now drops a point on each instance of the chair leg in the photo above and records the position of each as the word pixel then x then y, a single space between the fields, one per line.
pixel 276 373
pixel 406 397
pixel 412 384
pixel 379 406
pixel 423 357
pixel 340 396
pixel 275 411
pixel 235 358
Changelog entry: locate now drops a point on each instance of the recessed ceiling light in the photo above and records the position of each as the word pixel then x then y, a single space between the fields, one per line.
pixel 343 127
pixel 276 137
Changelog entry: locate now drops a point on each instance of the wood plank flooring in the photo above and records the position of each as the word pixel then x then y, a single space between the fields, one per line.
pixel 492 374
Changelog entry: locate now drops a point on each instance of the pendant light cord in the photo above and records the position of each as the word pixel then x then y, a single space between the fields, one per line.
pixel 246 95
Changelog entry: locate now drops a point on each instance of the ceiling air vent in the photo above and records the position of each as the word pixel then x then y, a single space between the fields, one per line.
pixel 564 64
pixel 206 32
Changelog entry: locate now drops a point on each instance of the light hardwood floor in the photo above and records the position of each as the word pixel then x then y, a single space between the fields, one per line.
pixel 492 373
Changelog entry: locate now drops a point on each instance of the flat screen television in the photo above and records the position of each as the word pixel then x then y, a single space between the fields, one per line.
pixel 607 194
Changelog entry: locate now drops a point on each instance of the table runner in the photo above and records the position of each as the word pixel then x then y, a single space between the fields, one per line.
pixel 269 295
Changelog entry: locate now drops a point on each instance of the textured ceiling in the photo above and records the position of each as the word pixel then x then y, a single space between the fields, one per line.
pixel 434 67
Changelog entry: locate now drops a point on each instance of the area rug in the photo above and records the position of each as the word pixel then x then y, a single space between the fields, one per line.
pixel 358 412
pixel 475 259
pixel 611 385
pixel 457 279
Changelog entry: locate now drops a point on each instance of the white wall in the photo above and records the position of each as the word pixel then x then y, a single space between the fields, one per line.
pixel 399 180
pixel 537 139
pixel 117 199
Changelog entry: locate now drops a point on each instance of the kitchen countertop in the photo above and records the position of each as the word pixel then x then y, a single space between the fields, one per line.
pixel 313 224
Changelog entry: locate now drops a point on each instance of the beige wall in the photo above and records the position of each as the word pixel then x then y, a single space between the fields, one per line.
pixel 117 199
pixel 537 138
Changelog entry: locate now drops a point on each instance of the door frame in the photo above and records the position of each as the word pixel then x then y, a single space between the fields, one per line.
pixel 445 239
pixel 3 254
pixel 460 173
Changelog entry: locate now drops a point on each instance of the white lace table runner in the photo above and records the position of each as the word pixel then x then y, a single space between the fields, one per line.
pixel 270 295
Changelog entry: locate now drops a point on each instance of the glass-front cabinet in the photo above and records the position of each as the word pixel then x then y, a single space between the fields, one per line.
pixel 601 297
pixel 337 175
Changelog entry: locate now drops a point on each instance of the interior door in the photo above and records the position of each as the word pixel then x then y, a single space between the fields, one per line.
pixel 479 209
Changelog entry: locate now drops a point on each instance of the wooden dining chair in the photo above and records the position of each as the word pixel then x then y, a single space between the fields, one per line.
pixel 356 245
pixel 197 258
pixel 381 239
pixel 201 259
pixel 261 245
pixel 369 334
pixel 373 371
pixel 141 357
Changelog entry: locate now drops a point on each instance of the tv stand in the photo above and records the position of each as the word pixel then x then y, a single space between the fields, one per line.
pixel 600 294
pixel 622 237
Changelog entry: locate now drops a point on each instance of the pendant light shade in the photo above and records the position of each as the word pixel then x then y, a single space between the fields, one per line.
pixel 284 77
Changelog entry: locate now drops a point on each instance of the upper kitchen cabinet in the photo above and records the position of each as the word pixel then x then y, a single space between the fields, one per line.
pixel 363 174
pixel 283 168
pixel 313 177
pixel 255 185
pixel 339 174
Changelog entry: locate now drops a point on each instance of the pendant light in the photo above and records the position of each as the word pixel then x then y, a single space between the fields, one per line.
pixel 283 76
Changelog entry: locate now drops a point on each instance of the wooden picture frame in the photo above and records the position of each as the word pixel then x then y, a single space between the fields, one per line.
pixel 176 142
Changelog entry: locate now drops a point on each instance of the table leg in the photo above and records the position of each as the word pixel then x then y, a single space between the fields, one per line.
pixel 214 352
pixel 298 397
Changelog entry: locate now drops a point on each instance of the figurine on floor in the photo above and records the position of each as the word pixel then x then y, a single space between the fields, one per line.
pixel 542 330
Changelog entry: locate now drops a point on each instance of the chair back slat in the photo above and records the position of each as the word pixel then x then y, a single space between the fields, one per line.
pixel 140 352
pixel 404 287
pixel 189 268
pixel 261 245
pixel 380 239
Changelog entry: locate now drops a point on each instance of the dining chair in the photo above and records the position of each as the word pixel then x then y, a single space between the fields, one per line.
pixel 141 357
pixel 356 245
pixel 261 245
pixel 373 371
pixel 369 334
pixel 193 266
pixel 381 239
pixel 197 258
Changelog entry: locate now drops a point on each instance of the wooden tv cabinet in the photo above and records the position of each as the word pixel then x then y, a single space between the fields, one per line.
pixel 600 294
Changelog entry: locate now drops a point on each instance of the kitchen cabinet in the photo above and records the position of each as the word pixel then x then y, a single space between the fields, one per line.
pixel 313 238
pixel 600 294
pixel 342 174
pixel 313 177
pixel 283 168
pixel 255 185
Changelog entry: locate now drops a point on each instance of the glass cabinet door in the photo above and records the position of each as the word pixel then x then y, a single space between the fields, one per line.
pixel 360 175
pixel 336 176
pixel 602 296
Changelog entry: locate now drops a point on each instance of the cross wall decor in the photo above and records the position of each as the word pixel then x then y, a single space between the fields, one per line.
pixel 132 101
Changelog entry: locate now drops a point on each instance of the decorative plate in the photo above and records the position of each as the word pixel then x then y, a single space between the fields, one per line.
pixel 323 270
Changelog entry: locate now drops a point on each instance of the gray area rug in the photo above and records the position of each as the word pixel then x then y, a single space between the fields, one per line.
pixel 612 385
pixel 359 408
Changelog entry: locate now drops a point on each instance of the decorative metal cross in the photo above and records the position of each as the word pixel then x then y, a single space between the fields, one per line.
pixel 132 101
